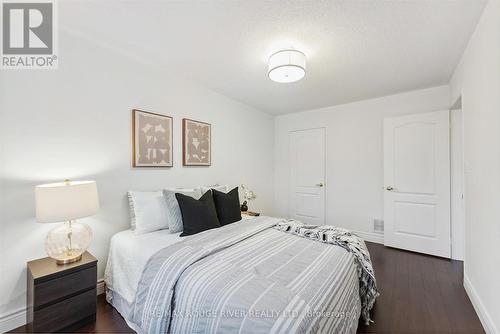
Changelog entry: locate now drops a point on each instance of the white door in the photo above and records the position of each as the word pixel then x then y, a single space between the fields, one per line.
pixel 307 173
pixel 417 183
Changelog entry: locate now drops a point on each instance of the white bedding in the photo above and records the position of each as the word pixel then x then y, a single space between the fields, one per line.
pixel 128 255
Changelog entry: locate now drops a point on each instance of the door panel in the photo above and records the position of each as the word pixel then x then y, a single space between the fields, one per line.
pixel 417 183
pixel 307 175
pixel 307 205
pixel 414 157
pixel 417 219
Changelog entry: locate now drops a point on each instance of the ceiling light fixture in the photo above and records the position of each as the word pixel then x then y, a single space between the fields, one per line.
pixel 287 66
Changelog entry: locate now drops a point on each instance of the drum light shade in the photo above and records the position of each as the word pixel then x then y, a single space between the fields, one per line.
pixel 287 66
pixel 59 202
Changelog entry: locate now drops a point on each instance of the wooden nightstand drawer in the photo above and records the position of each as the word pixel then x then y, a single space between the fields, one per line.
pixel 64 286
pixel 62 315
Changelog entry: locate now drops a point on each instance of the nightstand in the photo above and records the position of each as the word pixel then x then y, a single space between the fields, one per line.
pixel 250 213
pixel 61 297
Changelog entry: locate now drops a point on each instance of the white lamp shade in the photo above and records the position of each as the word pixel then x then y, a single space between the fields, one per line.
pixel 59 202
pixel 287 66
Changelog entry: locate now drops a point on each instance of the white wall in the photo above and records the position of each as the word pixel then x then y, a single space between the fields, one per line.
pixel 477 81
pixel 354 177
pixel 74 123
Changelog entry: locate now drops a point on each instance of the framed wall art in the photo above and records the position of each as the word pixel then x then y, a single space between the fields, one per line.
pixel 151 139
pixel 196 143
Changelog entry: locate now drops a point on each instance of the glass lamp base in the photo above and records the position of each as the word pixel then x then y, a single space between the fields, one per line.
pixel 67 242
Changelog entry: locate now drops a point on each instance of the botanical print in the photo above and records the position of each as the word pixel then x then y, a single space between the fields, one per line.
pixel 152 135
pixel 197 143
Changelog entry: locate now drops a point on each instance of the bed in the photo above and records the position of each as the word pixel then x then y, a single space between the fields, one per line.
pixel 246 277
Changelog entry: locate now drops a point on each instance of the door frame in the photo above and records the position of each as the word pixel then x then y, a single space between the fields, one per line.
pixel 290 184
pixel 457 213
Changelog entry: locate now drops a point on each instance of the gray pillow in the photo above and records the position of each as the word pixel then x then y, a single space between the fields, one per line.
pixel 174 212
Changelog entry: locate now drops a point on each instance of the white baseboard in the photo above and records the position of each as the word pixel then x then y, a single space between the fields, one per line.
pixel 12 320
pixel 17 318
pixel 100 286
pixel 484 316
pixel 370 236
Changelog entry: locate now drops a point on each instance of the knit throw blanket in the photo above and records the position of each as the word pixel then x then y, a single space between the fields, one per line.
pixel 352 243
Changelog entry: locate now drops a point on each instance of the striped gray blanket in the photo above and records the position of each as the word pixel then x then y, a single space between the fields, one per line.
pixel 249 277
pixel 352 243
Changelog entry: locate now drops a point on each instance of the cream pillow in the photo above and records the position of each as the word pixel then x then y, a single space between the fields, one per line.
pixel 148 211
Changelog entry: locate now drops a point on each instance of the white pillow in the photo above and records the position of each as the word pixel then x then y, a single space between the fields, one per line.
pixel 174 215
pixel 148 211
pixel 217 187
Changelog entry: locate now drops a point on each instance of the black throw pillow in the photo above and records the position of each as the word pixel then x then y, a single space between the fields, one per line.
pixel 227 206
pixel 197 215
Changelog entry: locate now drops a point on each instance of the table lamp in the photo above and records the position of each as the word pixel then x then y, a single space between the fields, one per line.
pixel 65 202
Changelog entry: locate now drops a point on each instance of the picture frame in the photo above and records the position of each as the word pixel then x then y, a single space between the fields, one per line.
pixel 196 143
pixel 152 139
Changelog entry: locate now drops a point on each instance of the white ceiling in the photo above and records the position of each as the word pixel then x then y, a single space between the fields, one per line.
pixel 355 49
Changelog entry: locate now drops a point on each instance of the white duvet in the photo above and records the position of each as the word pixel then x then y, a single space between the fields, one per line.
pixel 128 254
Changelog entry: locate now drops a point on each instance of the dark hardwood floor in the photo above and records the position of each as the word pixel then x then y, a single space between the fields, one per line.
pixel 418 294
